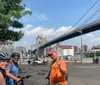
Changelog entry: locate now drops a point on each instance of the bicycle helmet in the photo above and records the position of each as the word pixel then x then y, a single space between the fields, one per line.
pixel 15 54
pixel 4 55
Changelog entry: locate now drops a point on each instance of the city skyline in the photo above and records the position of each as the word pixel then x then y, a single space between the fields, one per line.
pixel 54 18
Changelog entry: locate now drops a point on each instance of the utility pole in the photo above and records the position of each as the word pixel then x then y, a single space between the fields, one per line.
pixel 31 51
pixel 80 31
pixel 81 46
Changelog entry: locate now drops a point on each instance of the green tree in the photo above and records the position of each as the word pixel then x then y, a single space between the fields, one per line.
pixel 90 54
pixel 98 53
pixel 10 13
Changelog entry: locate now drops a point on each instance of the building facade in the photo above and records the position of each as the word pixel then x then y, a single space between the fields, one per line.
pixel 7 46
pixel 76 49
pixel 41 39
pixel 84 48
pixel 65 50
pixel 20 49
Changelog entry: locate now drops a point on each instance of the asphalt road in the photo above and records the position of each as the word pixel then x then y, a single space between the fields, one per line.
pixel 78 74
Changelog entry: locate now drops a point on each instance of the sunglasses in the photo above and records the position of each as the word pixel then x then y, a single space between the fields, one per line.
pixel 16 58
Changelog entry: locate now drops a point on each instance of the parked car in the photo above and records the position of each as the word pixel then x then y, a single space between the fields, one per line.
pixel 45 61
pixel 68 57
pixel 39 62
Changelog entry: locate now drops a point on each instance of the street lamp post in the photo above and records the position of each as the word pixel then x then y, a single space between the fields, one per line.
pixel 80 31
pixel 31 50
pixel 81 46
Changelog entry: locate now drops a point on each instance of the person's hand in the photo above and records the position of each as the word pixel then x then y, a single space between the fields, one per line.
pixel 47 77
pixel 17 79
pixel 19 76
pixel 59 62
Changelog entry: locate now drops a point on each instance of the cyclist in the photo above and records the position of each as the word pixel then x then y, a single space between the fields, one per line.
pixel 13 69
pixel 4 60
pixel 57 69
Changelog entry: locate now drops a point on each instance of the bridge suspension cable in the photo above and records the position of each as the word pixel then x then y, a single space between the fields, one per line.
pixel 82 16
pixel 92 16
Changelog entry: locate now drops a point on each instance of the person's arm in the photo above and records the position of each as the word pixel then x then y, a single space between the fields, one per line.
pixel 11 76
pixel 2 81
pixel 8 69
pixel 47 77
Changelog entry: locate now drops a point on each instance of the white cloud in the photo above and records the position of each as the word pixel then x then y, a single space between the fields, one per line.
pixel 41 17
pixel 25 43
pixel 48 32
pixel 95 40
pixel 27 9
pixel 30 31
pixel 27 27
pixel 63 30
pixel 34 31
pixel 45 31
pixel 90 35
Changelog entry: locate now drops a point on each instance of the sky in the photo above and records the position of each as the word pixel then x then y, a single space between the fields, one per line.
pixel 53 18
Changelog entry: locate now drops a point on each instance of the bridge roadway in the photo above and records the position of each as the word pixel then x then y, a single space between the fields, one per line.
pixel 78 74
pixel 74 33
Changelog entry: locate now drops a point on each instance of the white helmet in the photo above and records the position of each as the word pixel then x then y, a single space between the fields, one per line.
pixel 4 55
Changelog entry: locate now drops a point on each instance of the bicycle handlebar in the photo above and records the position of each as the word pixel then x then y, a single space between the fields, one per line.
pixel 25 77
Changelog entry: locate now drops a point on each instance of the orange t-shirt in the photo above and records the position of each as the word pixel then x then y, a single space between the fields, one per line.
pixel 56 76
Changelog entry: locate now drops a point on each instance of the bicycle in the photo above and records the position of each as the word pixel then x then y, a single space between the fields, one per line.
pixel 22 80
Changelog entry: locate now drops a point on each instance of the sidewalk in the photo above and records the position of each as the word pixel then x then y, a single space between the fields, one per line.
pixel 84 60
